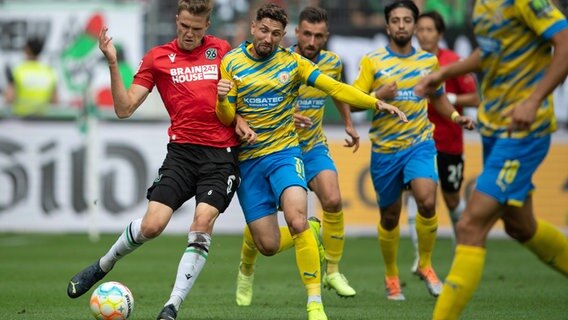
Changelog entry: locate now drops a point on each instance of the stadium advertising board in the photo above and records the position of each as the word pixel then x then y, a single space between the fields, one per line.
pixel 43 178
pixel 69 32
pixel 360 206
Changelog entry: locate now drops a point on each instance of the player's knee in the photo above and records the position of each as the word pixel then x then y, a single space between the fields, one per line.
pixel 389 222
pixel 267 249
pixel 297 223
pixel 331 203
pixel 520 234
pixel 427 207
pixel 151 230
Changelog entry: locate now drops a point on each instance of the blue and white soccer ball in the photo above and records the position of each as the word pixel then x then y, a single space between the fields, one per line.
pixel 111 301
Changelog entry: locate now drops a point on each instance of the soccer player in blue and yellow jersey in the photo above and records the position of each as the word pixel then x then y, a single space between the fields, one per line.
pixel 404 154
pixel 261 81
pixel 321 174
pixel 461 91
pixel 516 118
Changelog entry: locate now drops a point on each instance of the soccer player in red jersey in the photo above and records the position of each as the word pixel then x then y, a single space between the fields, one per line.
pixel 201 161
pixel 448 136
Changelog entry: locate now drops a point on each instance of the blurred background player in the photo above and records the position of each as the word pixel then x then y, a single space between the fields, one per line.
pixel 522 56
pixel 201 161
pixel 448 136
pixel 321 174
pixel 260 83
pixel 32 85
pixel 404 154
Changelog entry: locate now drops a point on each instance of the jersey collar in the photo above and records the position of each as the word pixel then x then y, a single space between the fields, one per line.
pixel 413 51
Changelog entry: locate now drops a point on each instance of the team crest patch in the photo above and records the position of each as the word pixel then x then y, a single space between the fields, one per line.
pixel 284 77
pixel 541 8
pixel 211 53
pixel 498 17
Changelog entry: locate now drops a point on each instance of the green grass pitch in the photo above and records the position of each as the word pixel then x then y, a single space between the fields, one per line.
pixel 35 269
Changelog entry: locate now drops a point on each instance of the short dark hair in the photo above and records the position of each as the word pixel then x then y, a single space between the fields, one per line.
pixel 35 46
pixel 273 12
pixel 438 20
pixel 313 15
pixel 195 7
pixel 408 4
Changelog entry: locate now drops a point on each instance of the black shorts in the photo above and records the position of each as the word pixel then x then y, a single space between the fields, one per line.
pixel 450 171
pixel 208 173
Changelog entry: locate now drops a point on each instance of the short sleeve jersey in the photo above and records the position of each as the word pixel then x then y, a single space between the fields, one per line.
pixel 265 95
pixel 187 83
pixel 514 38
pixel 381 67
pixel 311 101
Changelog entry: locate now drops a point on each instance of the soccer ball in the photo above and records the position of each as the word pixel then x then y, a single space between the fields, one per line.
pixel 112 301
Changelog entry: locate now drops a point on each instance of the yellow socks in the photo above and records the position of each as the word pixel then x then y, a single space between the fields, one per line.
pixel 550 245
pixel 333 236
pixel 426 230
pixel 388 241
pixel 286 241
pixel 248 253
pixel 461 282
pixel 308 262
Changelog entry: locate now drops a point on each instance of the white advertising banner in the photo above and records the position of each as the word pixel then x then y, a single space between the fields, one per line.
pixel 43 177
pixel 69 32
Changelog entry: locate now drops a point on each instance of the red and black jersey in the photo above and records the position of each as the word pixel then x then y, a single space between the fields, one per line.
pixel 447 134
pixel 187 83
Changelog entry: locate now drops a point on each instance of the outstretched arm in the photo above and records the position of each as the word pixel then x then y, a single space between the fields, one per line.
pixel 466 99
pixel 430 83
pixel 352 96
pixel 125 101
pixel 445 108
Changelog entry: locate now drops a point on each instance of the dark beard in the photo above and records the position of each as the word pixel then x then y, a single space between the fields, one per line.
pixel 262 54
pixel 303 52
pixel 401 42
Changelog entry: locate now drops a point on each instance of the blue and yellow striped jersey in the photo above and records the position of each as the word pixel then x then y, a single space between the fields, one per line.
pixel 265 95
pixel 311 101
pixel 515 52
pixel 382 67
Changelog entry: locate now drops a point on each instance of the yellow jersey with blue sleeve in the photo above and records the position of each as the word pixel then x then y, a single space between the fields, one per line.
pixel 382 67
pixel 311 101
pixel 515 53
pixel 265 94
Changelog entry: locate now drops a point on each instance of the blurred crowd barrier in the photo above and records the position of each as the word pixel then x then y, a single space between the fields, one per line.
pixel 360 206
pixel 45 178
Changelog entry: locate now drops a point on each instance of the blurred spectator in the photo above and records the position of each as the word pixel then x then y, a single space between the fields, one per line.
pixel 32 85
pixel 454 12
pixel 366 14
